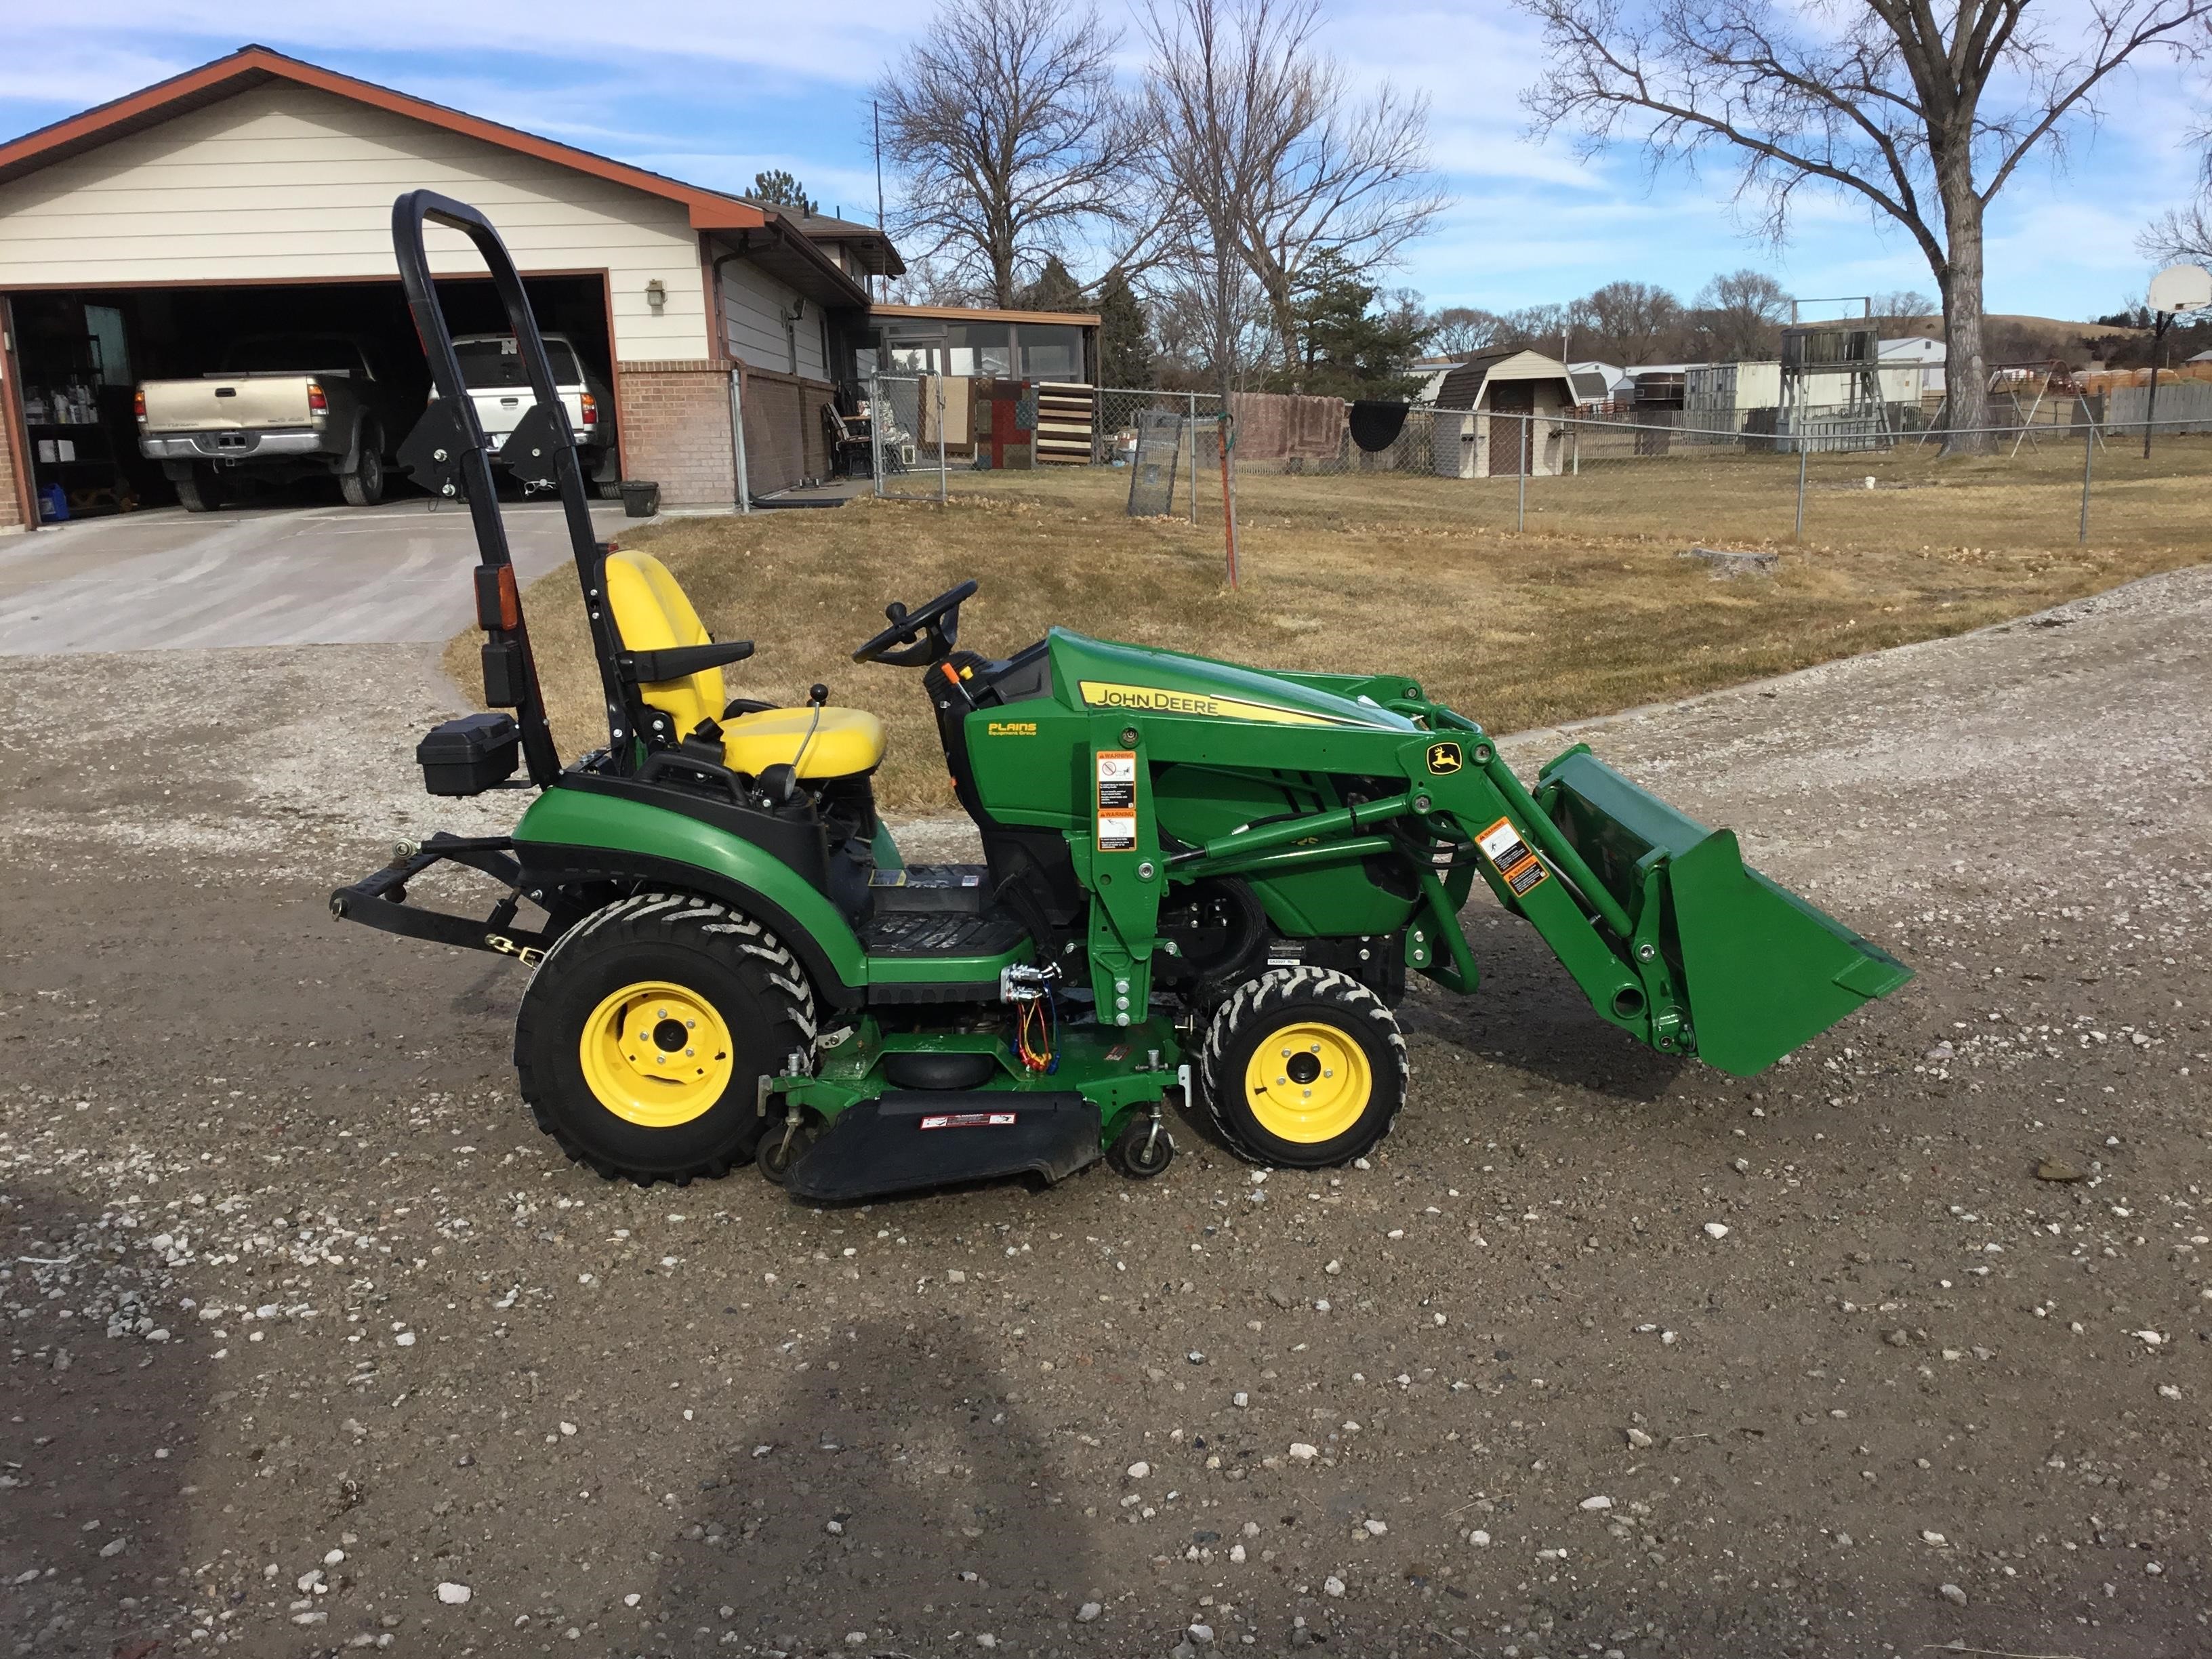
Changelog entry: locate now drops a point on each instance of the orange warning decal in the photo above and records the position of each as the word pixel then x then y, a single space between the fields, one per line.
pixel 1520 869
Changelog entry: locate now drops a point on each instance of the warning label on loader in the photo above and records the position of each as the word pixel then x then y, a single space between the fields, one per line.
pixel 1117 800
pixel 1519 868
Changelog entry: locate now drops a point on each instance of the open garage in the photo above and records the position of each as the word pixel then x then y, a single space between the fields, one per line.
pixel 84 351
pixel 175 233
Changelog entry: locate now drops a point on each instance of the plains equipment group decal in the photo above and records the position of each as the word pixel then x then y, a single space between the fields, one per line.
pixel 1157 700
pixel 1013 728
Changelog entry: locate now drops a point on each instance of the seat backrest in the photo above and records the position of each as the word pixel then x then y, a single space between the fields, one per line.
pixel 652 613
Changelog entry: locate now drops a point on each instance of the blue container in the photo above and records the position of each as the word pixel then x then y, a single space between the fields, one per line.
pixel 53 504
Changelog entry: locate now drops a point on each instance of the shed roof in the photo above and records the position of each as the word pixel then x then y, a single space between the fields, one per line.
pixel 1462 386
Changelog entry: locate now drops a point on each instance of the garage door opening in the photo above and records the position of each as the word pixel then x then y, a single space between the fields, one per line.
pixel 81 354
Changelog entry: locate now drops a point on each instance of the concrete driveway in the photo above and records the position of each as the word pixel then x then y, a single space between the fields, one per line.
pixel 315 575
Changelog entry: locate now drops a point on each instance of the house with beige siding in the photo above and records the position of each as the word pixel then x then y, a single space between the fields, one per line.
pixel 254 194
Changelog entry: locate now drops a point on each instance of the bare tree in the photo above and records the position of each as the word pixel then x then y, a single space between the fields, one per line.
pixel 1632 322
pixel 1455 330
pixel 1924 112
pixel 2179 235
pixel 1257 135
pixel 1005 127
pixel 1905 305
pixel 1739 315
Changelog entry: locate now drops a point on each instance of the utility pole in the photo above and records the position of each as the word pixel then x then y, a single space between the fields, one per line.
pixel 876 118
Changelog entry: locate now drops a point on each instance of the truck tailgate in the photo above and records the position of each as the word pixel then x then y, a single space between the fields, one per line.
pixel 498 409
pixel 232 403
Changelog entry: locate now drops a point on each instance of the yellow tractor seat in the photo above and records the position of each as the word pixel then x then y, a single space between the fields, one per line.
pixel 848 740
pixel 652 613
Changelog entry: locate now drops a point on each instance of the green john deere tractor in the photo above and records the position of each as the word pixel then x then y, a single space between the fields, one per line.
pixel 1200 882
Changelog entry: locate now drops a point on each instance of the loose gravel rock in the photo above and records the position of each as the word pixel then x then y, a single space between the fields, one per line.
pixel 244 1152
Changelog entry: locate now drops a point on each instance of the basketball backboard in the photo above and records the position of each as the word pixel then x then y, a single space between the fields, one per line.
pixel 2181 287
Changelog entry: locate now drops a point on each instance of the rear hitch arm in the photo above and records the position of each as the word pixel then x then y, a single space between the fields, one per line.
pixel 380 899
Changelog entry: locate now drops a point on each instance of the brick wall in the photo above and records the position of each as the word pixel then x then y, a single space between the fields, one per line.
pixel 786 442
pixel 675 430
pixel 11 506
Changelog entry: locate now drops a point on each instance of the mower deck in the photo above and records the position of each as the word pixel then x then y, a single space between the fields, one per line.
pixel 911 1140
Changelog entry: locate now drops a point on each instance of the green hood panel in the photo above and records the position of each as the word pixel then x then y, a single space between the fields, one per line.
pixel 1099 674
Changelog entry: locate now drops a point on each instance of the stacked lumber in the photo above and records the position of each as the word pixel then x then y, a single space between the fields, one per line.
pixel 1064 421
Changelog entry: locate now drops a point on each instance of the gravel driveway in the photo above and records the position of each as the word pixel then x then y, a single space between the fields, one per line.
pixel 315 1344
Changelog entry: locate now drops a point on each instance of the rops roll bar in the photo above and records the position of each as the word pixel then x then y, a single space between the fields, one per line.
pixel 449 451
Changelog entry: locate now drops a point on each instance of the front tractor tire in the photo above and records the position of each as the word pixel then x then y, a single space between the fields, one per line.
pixel 644 1034
pixel 1304 1068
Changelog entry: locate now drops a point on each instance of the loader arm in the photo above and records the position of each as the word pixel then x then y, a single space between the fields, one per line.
pixel 1666 932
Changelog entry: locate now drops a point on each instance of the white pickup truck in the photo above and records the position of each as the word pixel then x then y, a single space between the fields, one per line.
pixel 499 386
pixel 283 406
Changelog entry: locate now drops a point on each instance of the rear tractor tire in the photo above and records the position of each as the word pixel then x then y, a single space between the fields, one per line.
pixel 644 1034
pixel 1304 1068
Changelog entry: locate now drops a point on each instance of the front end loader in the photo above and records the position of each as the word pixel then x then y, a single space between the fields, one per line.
pixel 1202 883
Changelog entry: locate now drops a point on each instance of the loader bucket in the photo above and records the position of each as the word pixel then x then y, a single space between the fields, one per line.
pixel 1764 971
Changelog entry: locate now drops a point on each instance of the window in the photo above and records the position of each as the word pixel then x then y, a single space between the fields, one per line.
pixel 486 363
pixel 295 354
pixel 985 348
pixel 1051 352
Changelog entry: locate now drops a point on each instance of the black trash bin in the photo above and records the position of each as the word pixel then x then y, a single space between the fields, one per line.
pixel 641 498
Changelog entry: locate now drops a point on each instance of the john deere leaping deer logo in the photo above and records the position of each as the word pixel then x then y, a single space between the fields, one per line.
pixel 1444 757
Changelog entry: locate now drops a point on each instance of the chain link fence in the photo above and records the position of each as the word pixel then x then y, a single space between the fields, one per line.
pixel 1838 477
pixel 2052 475
pixel 906 435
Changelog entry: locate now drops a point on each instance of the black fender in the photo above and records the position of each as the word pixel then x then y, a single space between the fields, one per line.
pixel 544 864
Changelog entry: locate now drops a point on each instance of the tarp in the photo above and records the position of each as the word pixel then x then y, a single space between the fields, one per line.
pixel 1277 425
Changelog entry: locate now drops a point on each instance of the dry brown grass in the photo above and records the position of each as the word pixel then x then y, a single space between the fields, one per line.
pixel 1590 611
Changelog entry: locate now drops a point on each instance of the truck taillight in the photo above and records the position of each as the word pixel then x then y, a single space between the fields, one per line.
pixel 591 410
pixel 316 402
pixel 138 405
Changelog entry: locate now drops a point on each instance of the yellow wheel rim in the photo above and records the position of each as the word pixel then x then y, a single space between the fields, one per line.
pixel 656 1054
pixel 1307 1083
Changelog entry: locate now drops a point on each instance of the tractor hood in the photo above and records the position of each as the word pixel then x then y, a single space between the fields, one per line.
pixel 1101 674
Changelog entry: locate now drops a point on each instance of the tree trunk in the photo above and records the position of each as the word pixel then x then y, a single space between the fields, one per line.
pixel 1966 369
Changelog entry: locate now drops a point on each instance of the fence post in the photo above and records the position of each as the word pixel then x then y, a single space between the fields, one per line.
pixel 2088 453
pixel 737 438
pixel 1191 494
pixel 876 429
pixel 1521 477
pixel 1803 448
pixel 936 384
pixel 1228 487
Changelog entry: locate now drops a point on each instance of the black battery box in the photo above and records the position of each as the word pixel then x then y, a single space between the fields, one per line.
pixel 469 755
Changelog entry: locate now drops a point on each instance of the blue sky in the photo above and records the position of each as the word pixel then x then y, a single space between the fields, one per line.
pixel 713 92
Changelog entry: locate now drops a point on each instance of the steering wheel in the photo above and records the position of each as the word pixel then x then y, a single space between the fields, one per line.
pixel 925 636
